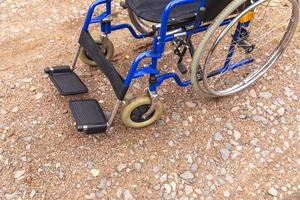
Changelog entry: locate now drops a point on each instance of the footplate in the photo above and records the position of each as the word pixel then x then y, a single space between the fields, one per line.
pixel 66 81
pixel 89 116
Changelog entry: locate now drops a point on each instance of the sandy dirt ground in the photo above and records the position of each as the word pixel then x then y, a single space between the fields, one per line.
pixel 242 147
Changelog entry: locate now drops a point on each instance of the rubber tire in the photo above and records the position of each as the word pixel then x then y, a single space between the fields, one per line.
pixel 109 54
pixel 133 104
pixel 201 48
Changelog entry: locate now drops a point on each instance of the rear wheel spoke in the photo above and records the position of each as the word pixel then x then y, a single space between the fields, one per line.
pixel 272 28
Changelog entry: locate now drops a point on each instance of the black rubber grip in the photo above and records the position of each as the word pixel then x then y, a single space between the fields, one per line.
pixel 57 69
pixel 91 129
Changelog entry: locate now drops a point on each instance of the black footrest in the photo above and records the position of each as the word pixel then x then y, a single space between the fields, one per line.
pixel 89 116
pixel 66 81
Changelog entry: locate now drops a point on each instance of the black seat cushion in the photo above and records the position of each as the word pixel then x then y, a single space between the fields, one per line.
pixel 151 10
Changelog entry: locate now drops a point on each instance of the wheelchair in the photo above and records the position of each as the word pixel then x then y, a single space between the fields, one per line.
pixel 240 41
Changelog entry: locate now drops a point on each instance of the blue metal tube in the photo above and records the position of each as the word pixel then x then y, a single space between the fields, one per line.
pixel 236 65
pixel 154 61
pixel 223 70
pixel 106 27
pixel 197 30
pixel 163 77
pixel 90 12
pixel 144 71
pixel 233 44
pixel 165 17
pixel 108 7
pixel 134 66
pixel 129 27
pixel 98 18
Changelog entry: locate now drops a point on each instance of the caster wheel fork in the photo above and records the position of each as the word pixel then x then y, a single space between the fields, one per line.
pixel 141 112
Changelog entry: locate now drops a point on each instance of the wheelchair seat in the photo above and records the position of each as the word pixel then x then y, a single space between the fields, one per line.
pixel 151 10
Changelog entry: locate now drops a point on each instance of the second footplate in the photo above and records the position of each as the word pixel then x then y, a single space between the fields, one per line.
pixel 88 116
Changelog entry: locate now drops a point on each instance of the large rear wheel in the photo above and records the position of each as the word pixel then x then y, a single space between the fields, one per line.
pixel 232 57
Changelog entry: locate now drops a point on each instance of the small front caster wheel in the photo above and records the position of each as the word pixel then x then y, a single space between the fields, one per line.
pixel 133 113
pixel 106 47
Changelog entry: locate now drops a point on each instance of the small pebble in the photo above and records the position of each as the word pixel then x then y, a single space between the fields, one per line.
pixel 187 175
pixel 138 166
pixel 32 193
pixel 175 116
pixel 209 177
pixel 39 96
pixel 156 169
pixel 19 174
pixel 95 172
pixel 121 167
pixel 261 119
pixel 168 188
pixel 32 89
pixel 281 111
pixel 229 126
pixel 127 195
pixel 252 93
pixel 218 136
pixel 273 192
pixel 102 183
pixel 236 135
pixel 227 194
pixel 188 189
pixel 266 95
pixel 157 187
pixel 15 109
pixel 225 153
pixel 190 104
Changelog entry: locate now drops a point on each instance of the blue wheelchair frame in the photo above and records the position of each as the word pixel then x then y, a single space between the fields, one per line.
pixel 159 42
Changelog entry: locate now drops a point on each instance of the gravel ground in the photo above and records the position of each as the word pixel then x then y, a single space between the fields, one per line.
pixel 243 147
